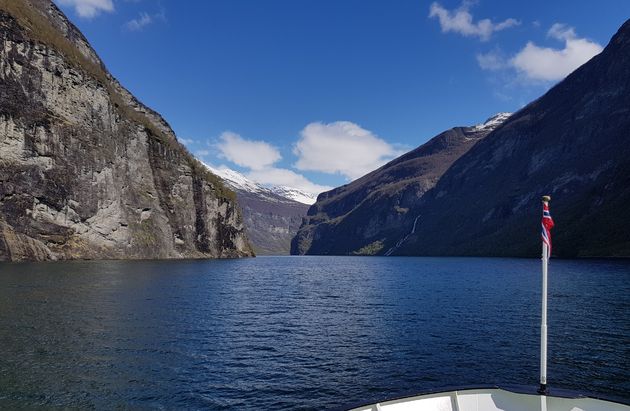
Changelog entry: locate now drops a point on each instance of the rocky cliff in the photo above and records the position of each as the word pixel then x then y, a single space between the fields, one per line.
pixel 271 221
pixel 369 215
pixel 271 215
pixel 572 143
pixel 86 170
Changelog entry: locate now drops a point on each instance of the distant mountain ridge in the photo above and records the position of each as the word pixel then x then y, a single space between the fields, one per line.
pixel 238 181
pixel 272 215
pixel 360 217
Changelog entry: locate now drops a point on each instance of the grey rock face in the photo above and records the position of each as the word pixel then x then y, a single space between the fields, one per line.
pixel 271 221
pixel 87 171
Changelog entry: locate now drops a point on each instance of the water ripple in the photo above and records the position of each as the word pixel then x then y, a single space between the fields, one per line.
pixel 302 333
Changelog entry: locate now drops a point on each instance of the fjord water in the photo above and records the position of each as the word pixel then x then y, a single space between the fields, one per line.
pixel 302 332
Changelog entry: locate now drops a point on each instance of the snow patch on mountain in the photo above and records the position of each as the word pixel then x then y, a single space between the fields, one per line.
pixel 296 194
pixel 493 122
pixel 238 181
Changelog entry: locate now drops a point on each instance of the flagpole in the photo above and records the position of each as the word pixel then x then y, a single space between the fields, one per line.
pixel 543 323
pixel 543 317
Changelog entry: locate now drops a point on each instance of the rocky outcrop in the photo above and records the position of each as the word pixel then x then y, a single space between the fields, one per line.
pixel 572 143
pixel 370 214
pixel 86 170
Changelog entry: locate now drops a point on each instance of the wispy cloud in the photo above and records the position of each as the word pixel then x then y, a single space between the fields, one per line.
pixel 89 8
pixel 143 20
pixel 139 23
pixel 186 141
pixel 492 60
pixel 342 148
pixel 461 21
pixel 545 64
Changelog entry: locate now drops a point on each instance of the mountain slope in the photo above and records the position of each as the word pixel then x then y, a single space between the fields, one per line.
pixel 271 215
pixel 86 170
pixel 572 143
pixel 363 217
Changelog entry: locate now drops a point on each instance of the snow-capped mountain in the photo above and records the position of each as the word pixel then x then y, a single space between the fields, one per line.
pixel 272 215
pixel 238 181
pixel 493 122
pixel 295 194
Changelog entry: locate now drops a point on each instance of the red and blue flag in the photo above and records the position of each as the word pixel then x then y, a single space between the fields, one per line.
pixel 547 225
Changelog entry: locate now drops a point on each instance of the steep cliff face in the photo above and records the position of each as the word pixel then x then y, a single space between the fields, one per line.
pixel 573 143
pixel 271 219
pixel 86 170
pixel 369 215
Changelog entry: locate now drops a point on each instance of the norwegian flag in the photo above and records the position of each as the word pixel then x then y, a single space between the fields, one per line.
pixel 547 225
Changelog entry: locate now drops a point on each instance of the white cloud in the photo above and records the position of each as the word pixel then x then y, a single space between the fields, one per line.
pixel 252 154
pixel 336 148
pixel 548 64
pixel 341 147
pixel 89 8
pixel 561 31
pixel 461 21
pixel 259 157
pixel 286 177
pixel 139 23
pixel 186 141
pixel 543 64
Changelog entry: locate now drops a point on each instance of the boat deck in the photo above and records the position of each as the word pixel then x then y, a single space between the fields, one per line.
pixel 493 399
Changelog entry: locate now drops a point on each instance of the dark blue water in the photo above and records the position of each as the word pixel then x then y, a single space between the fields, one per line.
pixel 299 333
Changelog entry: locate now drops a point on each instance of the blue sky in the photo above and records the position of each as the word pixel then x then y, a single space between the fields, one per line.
pixel 315 93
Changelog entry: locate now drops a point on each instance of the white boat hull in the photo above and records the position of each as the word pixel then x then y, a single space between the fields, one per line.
pixel 492 399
